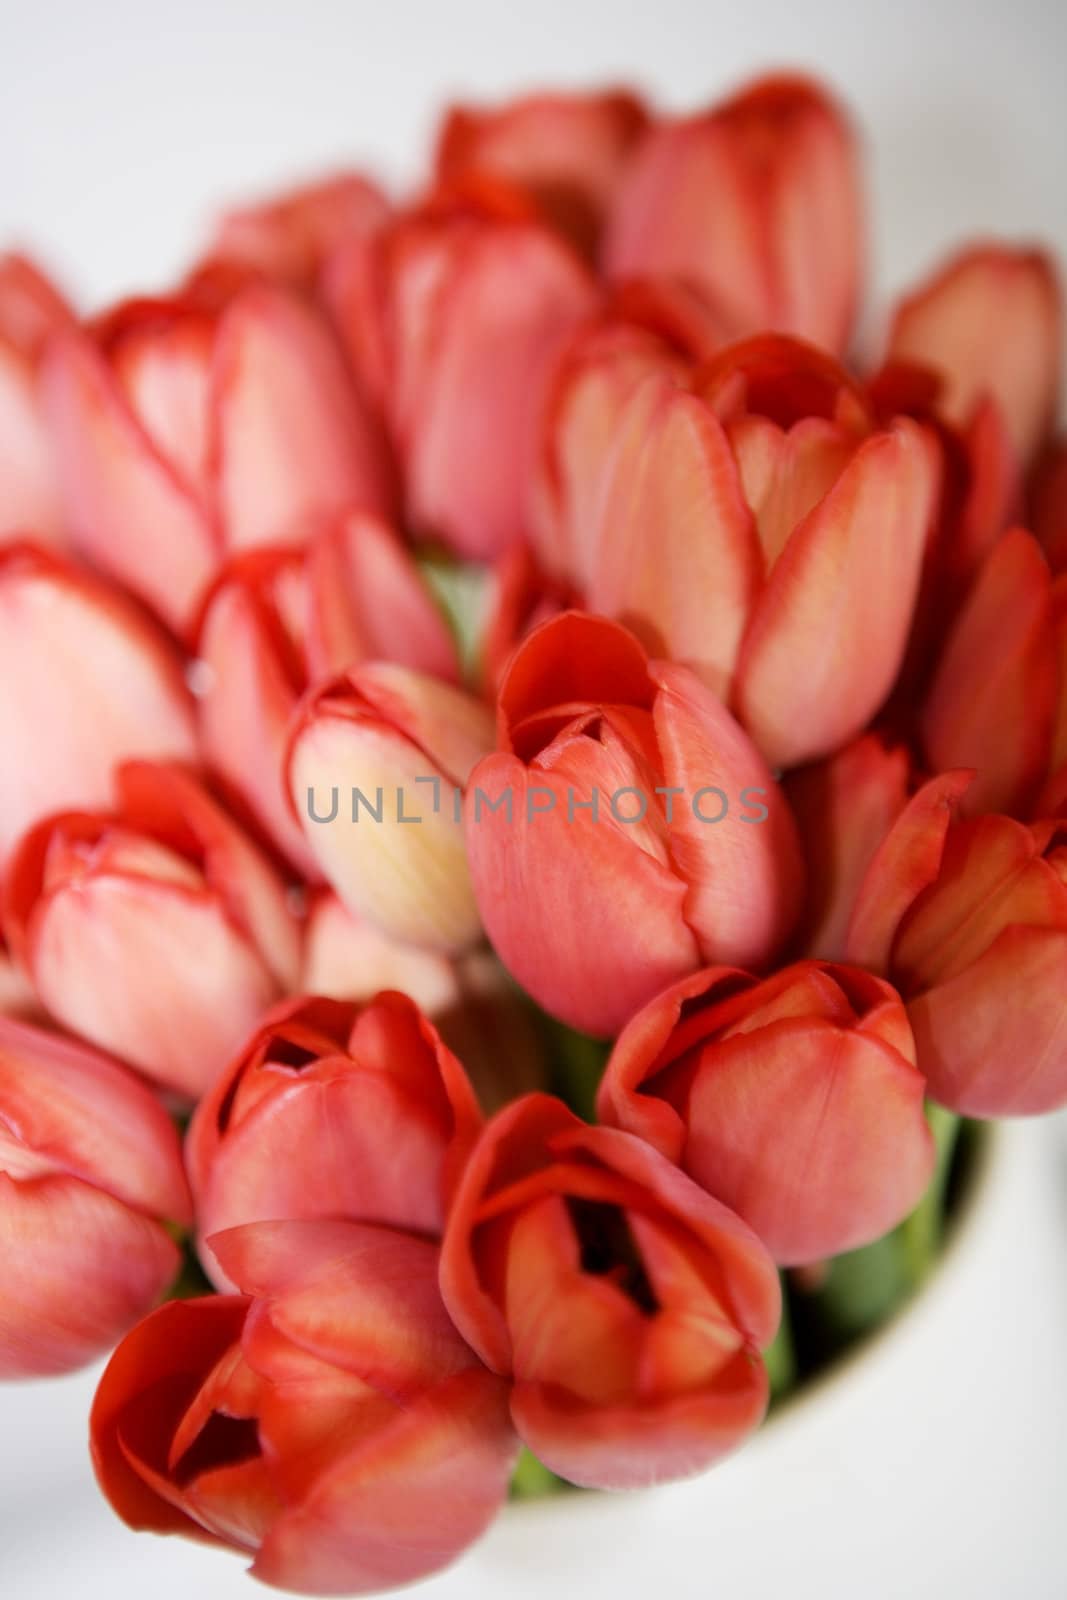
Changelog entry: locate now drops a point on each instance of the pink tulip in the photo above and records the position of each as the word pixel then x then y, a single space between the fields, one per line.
pixel 31 309
pixel 90 1171
pixel 89 682
pixel 965 917
pixel 796 1101
pixel 377 764
pixel 626 831
pixel 990 322
pixel 157 931
pixel 329 1422
pixel 627 1307
pixel 756 202
pixel 569 151
pixel 332 1109
pixel 452 316
pixel 191 428
pixel 278 620
pixel 289 236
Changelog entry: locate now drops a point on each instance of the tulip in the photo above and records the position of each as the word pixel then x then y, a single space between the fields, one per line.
pixel 520 596
pixel 966 916
pixel 90 1173
pixel 191 428
pixel 31 309
pixel 377 762
pixel 277 620
pixel 333 1109
pixel 991 703
pixel 990 322
pixel 88 682
pixel 452 317
pixel 627 1307
pixel 756 202
pixel 569 151
pixel 329 1422
pixel 626 831
pixel 289 236
pixel 470 999
pixel 728 525
pixel 17 998
pixel 156 931
pixel 795 1101
pixel 1049 505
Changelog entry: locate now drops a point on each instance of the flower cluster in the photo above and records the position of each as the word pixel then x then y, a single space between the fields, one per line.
pixel 441 628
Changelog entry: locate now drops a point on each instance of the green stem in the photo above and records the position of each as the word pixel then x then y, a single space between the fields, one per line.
pixel 532 1478
pixel 920 1234
pixel 577 1067
pixel 780 1356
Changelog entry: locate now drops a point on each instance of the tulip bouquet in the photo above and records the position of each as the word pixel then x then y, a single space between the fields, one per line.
pixel 532 809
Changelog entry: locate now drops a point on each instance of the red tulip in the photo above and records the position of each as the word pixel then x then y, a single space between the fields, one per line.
pixel 1048 500
pixel 377 763
pixel 727 525
pixel 89 682
pixel 470 999
pixel 289 236
pixel 795 1100
pixel 158 931
pixel 191 428
pixel 756 202
pixel 17 998
pixel 627 1307
pixel 634 850
pixel 991 702
pixel 966 917
pixel 1059 632
pixel 569 151
pixel 333 1109
pixel 990 322
pixel 278 620
pixel 520 596
pixel 452 317
pixel 90 1171
pixel 31 309
pixel 332 1424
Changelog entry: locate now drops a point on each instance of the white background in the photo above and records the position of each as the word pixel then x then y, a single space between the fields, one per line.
pixel 940 1469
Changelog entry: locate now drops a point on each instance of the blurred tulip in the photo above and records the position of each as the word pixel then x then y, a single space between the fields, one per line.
pixel 1048 502
pixel 90 1171
pixel 289 236
pixel 626 831
pixel 87 682
pixel 628 1307
pixel 377 763
pixel 17 998
pixel 796 1101
pixel 469 998
pixel 31 309
pixel 756 202
pixel 333 1109
pixel 520 596
pixel 569 151
pixel 992 700
pixel 966 917
pixel 158 932
pixel 452 316
pixel 334 1426
pixel 193 427
pixel 277 621
pixel 990 323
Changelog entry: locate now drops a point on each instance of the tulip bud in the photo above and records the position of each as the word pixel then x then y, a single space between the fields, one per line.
pixel 158 931
pixel 1048 505
pixel 190 428
pixel 756 202
pixel 277 620
pixel 289 236
pixel 307 1420
pixel 627 1307
pixel 88 683
pixel 966 916
pixel 990 322
pixel 90 1170
pixel 333 1109
pixel 626 831
pixel 568 151
pixel 796 1101
pixel 452 320
pixel 377 763
pixel 30 310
